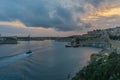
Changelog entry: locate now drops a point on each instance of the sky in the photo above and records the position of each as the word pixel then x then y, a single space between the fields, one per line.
pixel 57 17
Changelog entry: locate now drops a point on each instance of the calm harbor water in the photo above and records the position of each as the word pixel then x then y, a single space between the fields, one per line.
pixel 50 60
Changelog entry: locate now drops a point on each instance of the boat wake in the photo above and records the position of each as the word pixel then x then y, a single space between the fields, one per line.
pixel 4 61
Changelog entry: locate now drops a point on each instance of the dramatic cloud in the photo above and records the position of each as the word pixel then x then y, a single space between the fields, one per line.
pixel 48 14
pixel 103 13
pixel 60 15
pixel 14 24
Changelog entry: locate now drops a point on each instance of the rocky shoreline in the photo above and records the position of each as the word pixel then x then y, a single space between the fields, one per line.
pixel 101 67
pixel 105 64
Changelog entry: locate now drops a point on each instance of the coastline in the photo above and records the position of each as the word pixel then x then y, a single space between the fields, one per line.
pixel 103 67
pixel 108 41
pixel 96 69
pixel 8 40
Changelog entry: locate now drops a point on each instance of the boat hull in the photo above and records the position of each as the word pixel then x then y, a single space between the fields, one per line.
pixel 68 46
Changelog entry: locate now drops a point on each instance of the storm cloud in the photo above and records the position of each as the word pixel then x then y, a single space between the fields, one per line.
pixel 41 13
pixel 61 15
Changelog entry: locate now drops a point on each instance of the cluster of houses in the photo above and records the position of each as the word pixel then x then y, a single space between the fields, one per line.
pixel 98 38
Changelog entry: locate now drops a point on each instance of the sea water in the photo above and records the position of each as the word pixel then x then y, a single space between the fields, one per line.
pixel 50 60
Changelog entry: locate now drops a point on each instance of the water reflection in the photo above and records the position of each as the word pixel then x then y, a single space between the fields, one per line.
pixel 50 61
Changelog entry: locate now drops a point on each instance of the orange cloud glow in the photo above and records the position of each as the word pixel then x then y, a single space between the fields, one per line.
pixel 14 24
pixel 109 12
pixel 102 13
pixel 19 24
pixel 40 28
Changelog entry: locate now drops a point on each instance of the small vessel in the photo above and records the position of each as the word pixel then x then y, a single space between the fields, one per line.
pixel 74 46
pixel 29 52
pixel 68 45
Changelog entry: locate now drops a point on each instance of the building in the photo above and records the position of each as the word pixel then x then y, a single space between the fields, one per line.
pixel 8 40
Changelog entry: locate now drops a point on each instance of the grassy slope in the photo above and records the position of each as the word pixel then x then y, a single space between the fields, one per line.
pixel 107 68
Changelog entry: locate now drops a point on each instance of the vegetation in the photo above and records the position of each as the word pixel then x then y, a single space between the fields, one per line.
pixel 114 37
pixel 106 68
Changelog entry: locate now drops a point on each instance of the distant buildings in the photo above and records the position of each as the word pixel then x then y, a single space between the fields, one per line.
pixel 8 40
